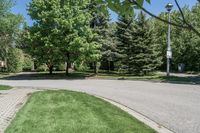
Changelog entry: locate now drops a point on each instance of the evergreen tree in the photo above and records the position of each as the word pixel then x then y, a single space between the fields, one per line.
pixel 144 57
pixel 124 34
pixel 105 33
pixel 137 45
pixel 109 47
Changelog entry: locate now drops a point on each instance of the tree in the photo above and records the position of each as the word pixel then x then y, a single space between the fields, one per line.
pixel 5 5
pixel 138 46
pixel 9 27
pixel 15 60
pixel 109 46
pixel 61 31
pixel 185 44
pixel 124 35
pixel 99 24
pixel 125 7
pixel 144 56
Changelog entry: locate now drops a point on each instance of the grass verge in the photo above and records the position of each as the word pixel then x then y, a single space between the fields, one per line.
pixel 4 87
pixel 73 112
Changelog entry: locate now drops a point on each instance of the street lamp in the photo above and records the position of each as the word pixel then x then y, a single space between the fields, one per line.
pixel 169 7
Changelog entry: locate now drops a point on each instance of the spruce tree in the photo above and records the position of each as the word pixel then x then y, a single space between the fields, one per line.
pixel 124 34
pixel 144 57
pixel 109 47
pixel 104 32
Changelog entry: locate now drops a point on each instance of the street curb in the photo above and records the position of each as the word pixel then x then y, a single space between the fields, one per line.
pixel 157 127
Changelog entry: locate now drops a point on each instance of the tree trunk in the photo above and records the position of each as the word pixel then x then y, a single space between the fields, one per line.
pixel 50 69
pixel 95 68
pixel 68 65
pixel 108 66
pixel 6 59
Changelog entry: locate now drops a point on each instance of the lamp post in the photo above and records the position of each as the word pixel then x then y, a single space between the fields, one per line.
pixel 169 7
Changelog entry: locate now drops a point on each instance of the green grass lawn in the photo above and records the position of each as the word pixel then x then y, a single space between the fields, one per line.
pixel 73 112
pixel 4 87
pixel 152 77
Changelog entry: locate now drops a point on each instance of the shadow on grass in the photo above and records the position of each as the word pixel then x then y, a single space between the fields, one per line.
pixel 46 76
pixel 181 80
pixel 103 75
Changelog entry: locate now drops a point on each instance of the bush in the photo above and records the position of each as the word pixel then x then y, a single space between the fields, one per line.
pixel 42 68
pixel 81 66
pixel 15 60
pixel 60 67
pixel 28 63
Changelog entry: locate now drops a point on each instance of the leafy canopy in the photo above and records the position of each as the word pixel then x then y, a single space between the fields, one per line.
pixel 123 7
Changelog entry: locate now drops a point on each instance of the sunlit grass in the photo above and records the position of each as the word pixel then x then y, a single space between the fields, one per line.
pixel 73 112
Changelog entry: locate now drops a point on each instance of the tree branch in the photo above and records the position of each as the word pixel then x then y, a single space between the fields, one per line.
pixel 186 26
pixel 184 20
pixel 180 10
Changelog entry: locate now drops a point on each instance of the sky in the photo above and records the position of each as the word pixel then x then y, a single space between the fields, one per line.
pixel 156 7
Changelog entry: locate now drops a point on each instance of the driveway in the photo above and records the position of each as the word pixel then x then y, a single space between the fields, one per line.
pixel 175 106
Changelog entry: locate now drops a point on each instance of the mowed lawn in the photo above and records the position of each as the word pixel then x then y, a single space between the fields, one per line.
pixel 73 112
pixel 4 87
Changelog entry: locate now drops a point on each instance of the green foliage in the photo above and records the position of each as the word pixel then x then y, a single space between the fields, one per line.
pixel 137 46
pixel 105 33
pixel 123 7
pixel 81 66
pixel 145 57
pixel 28 62
pixel 15 60
pixel 9 27
pixel 42 68
pixel 185 44
pixel 61 67
pixel 124 34
pixel 61 33
pixel 5 5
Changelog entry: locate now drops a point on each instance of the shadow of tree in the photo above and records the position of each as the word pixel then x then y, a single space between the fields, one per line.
pixel 46 76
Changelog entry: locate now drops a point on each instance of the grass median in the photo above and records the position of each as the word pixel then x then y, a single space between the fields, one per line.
pixel 73 112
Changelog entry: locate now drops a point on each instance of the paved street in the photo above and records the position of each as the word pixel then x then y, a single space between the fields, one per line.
pixel 175 106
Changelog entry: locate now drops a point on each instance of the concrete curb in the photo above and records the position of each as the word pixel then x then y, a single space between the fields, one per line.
pixel 157 127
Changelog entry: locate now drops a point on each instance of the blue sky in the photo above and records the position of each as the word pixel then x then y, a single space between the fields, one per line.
pixel 155 7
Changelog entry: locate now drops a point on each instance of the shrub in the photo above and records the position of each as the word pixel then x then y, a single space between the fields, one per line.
pixel 28 63
pixel 15 60
pixel 81 66
pixel 61 67
pixel 42 68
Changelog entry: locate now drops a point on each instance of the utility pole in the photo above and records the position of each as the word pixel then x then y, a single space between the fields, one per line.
pixel 169 7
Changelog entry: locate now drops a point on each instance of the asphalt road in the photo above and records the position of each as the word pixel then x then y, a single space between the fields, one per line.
pixel 175 106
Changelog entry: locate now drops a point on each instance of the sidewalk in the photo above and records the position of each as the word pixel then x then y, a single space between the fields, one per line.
pixel 10 102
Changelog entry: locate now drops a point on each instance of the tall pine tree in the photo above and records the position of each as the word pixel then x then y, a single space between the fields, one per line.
pixel 137 45
pixel 124 34
pixel 109 47
pixel 105 34
pixel 144 57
